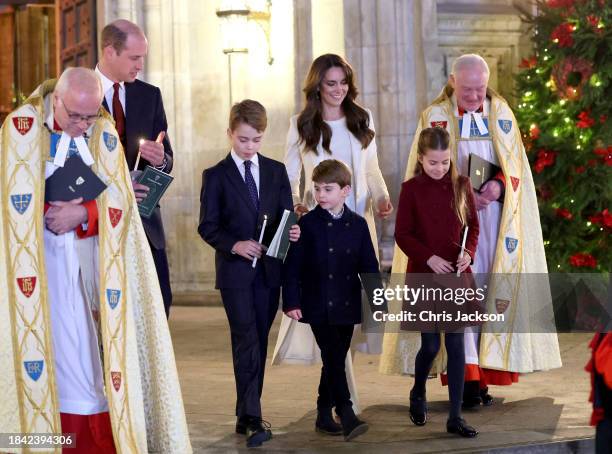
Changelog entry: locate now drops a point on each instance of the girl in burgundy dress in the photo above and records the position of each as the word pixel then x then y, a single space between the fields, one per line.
pixel 434 208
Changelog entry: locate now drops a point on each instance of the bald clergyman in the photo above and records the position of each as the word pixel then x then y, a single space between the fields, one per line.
pixel 84 342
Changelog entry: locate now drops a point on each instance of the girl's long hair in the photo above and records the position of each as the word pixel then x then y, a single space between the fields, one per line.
pixel 310 124
pixel 439 140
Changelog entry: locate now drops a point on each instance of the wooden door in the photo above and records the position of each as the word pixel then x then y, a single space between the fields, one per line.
pixel 77 33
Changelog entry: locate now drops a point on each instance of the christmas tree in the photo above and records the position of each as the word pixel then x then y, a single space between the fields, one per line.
pixel 564 109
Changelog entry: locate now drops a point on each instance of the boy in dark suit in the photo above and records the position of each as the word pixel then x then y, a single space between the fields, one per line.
pixel 322 287
pixel 236 195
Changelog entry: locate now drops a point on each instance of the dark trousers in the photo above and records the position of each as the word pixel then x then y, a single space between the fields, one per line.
pixel 334 342
pixel 250 312
pixel 603 436
pixel 163 276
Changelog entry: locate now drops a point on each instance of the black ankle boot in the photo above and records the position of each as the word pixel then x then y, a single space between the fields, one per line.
pixel 471 395
pixel 325 423
pixel 459 426
pixel 487 399
pixel 352 426
pixel 418 409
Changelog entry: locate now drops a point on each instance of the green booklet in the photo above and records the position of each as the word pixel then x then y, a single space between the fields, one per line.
pixel 158 182
pixel 280 243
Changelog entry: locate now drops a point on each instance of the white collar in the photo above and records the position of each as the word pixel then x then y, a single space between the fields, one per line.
pixel 467 118
pixel 107 84
pixel 336 215
pixel 64 142
pixel 239 161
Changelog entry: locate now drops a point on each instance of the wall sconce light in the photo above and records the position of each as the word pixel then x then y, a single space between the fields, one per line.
pixel 234 16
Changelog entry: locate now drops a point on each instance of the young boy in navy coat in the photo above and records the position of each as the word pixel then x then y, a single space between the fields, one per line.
pixel 321 287
pixel 236 194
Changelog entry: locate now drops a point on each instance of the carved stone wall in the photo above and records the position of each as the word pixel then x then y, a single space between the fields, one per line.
pixel 491 29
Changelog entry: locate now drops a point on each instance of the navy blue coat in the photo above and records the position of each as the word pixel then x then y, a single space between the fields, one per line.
pixel 227 215
pixel 321 273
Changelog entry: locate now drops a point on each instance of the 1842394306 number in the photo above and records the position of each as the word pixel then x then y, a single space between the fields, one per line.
pixel 37 440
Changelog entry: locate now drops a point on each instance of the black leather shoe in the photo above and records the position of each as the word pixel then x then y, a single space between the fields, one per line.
pixel 257 432
pixel 418 410
pixel 325 423
pixel 241 425
pixel 352 426
pixel 459 426
pixel 487 399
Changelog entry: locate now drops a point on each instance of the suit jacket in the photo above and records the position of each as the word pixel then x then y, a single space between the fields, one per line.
pixel 145 118
pixel 321 275
pixel 227 215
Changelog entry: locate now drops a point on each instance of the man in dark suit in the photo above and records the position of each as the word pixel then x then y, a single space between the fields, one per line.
pixel 236 195
pixel 140 119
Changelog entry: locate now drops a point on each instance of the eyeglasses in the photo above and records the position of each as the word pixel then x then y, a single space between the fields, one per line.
pixel 77 117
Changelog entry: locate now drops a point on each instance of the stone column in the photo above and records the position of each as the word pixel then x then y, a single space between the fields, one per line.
pixel 384 43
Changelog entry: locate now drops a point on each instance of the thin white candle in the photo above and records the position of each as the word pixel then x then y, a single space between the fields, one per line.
pixel 462 247
pixel 261 234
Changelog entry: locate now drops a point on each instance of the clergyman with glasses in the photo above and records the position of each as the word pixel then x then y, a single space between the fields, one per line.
pixel 77 286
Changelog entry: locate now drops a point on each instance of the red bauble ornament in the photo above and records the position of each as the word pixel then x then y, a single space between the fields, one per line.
pixel 534 132
pixel 564 213
pixel 604 218
pixel 562 35
pixel 583 260
pixel 546 158
pixel 584 120
pixel 606 155
pixel 528 63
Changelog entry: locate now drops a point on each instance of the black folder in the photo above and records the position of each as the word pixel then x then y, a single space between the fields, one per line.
pixel 481 171
pixel 72 181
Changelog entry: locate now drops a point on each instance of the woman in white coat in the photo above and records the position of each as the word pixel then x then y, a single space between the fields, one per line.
pixel 331 126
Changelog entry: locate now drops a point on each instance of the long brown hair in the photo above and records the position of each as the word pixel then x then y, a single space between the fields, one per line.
pixel 311 126
pixel 438 139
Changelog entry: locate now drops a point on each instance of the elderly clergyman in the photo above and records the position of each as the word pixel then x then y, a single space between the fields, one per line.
pixel 85 346
pixel 510 246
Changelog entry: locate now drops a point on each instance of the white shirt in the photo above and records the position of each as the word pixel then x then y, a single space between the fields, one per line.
pixel 341 148
pixel 254 166
pixel 109 91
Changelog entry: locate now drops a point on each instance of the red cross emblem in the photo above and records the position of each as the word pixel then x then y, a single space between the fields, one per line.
pixel 23 124
pixel 515 183
pixel 27 285
pixel 115 216
pixel 116 378
pixel 439 124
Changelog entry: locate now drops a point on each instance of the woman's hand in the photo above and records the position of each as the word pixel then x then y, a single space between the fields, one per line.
pixel 295 314
pixel 439 265
pixel 384 208
pixel 300 209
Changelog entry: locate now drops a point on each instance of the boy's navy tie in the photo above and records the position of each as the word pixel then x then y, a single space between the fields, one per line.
pixel 250 183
